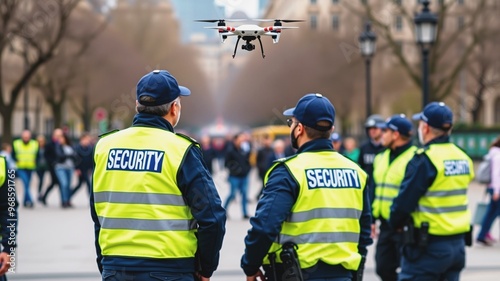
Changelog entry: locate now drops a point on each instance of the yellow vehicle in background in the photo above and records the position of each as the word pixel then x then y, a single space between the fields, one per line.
pixel 260 133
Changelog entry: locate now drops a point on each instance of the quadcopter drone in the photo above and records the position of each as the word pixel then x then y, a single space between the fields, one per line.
pixel 250 32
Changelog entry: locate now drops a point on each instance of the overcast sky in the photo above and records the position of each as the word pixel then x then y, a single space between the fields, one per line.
pixel 250 7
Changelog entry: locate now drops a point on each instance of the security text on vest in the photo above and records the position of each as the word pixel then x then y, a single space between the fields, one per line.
pixel 332 178
pixel 456 167
pixel 138 160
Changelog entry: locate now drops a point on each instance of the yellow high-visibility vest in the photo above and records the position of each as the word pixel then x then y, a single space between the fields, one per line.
pixel 324 221
pixel 388 177
pixel 444 206
pixel 26 154
pixel 141 210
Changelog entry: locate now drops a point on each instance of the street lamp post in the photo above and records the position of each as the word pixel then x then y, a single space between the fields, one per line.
pixel 425 31
pixel 367 45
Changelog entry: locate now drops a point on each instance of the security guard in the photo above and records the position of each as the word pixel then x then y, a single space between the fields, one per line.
pixel 433 200
pixel 8 217
pixel 369 149
pixel 24 152
pixel 155 207
pixel 316 199
pixel 388 171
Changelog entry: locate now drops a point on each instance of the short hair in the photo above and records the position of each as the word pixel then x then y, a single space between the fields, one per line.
pixel 496 142
pixel 317 134
pixel 439 132
pixel 159 110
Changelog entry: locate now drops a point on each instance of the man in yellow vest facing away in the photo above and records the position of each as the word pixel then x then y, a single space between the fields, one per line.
pixel 155 207
pixel 24 152
pixel 388 173
pixel 316 200
pixel 8 219
pixel 431 207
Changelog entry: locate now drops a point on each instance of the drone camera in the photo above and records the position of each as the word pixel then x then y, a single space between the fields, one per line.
pixel 248 47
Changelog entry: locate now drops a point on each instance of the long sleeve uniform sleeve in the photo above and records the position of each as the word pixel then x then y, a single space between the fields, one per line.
pixel 201 195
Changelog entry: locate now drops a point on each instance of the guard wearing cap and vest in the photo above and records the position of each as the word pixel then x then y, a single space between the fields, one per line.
pixel 388 172
pixel 370 148
pixel 433 201
pixel 316 200
pixel 155 207
pixel 8 217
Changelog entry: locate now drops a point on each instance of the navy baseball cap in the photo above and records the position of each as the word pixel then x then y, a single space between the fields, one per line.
pixel 160 85
pixel 335 137
pixel 398 123
pixel 311 109
pixel 437 115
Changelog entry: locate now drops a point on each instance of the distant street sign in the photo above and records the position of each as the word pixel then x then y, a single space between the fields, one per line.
pixel 100 114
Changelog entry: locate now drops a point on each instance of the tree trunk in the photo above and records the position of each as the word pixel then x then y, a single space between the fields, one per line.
pixel 7 126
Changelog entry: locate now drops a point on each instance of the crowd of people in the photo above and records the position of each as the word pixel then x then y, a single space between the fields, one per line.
pixel 58 158
pixel 157 213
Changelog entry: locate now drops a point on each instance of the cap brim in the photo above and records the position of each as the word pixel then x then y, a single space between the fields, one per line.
pixel 417 116
pixel 184 91
pixel 289 112
pixel 381 125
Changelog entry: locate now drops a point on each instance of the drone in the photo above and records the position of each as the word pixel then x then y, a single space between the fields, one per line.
pixel 250 32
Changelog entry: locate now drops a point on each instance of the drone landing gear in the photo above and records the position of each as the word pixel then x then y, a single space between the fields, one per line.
pixel 248 46
pixel 236 46
pixel 261 48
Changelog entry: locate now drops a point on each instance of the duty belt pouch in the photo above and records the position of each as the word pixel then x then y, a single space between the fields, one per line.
pixel 291 264
pixel 408 236
pixel 468 236
pixel 423 237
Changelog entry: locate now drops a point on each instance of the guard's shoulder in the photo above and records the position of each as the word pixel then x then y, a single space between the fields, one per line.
pixel 284 159
pixel 421 150
pixel 108 133
pixel 190 139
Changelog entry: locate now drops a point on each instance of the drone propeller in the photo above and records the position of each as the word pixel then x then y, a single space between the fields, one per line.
pixel 221 20
pixel 277 20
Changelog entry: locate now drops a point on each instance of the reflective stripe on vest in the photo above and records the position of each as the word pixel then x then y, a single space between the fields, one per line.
pixel 324 221
pixel 26 154
pixel 388 177
pixel 444 205
pixel 140 208
pixel 3 170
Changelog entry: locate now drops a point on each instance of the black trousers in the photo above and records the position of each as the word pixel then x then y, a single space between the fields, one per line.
pixel 388 253
pixel 53 182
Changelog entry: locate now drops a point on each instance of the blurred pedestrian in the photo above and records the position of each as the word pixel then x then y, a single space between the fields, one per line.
pixel 209 153
pixel 84 163
pixel 337 142
pixel 7 153
pixel 65 167
pixel 237 161
pixel 263 160
pixel 25 151
pixel 41 165
pixel 493 210
pixel 351 149
pixel 51 158
pixel 156 211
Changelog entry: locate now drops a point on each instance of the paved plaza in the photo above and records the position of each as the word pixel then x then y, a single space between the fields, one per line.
pixel 56 244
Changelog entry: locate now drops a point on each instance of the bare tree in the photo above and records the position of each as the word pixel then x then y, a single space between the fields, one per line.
pixel 484 64
pixel 446 61
pixel 64 74
pixel 315 63
pixel 32 30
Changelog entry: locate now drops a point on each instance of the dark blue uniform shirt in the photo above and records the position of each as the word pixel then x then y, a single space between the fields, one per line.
pixel 419 175
pixel 278 197
pixel 201 196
